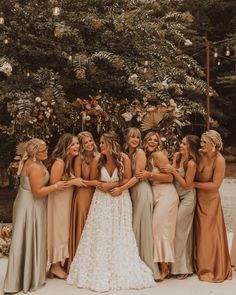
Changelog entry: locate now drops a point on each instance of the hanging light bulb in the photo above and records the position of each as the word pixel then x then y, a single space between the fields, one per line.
pixel 1 19
pixel 218 62
pixel 227 52
pixel 56 9
pixel 215 53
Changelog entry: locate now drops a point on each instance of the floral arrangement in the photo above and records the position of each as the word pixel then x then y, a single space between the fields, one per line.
pixel 5 239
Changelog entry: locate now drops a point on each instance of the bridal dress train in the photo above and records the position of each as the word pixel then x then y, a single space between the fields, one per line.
pixel 107 256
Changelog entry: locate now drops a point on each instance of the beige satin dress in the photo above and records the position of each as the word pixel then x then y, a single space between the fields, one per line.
pixel 26 270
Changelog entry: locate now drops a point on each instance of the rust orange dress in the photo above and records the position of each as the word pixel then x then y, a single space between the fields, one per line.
pixel 79 211
pixel 212 260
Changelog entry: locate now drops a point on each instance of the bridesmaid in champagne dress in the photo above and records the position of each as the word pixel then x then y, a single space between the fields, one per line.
pixel 165 200
pixel 212 258
pixel 83 195
pixel 26 269
pixel 184 169
pixel 142 200
pixel 59 204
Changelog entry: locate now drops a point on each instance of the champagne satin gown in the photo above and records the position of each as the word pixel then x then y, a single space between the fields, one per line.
pixel 233 250
pixel 212 260
pixel 26 270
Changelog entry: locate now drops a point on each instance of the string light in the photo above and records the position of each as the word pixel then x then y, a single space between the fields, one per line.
pixel 215 53
pixel 1 19
pixel 56 9
pixel 227 52
pixel 218 62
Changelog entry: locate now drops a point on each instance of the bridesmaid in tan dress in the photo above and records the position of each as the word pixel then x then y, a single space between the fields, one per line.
pixel 83 195
pixel 59 204
pixel 212 258
pixel 184 169
pixel 142 200
pixel 165 202
pixel 26 270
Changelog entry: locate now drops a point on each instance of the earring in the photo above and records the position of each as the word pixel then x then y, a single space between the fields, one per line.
pixel 34 159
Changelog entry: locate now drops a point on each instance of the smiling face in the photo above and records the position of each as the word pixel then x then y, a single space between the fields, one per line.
pixel 42 153
pixel 88 144
pixel 152 143
pixel 184 146
pixel 73 148
pixel 133 140
pixel 206 144
pixel 105 147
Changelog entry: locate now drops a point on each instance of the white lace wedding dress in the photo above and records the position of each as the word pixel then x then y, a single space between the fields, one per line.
pixel 107 256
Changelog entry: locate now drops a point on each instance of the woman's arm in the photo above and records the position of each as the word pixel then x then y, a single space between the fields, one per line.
pixel 218 176
pixel 139 164
pixel 159 160
pixel 57 171
pixel 36 178
pixel 187 181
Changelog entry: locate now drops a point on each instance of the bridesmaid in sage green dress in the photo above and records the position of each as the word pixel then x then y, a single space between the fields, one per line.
pixel 26 269
pixel 142 201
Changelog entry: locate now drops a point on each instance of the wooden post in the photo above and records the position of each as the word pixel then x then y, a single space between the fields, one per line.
pixel 208 82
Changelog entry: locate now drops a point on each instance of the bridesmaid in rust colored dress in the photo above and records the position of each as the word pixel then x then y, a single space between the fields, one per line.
pixel 83 195
pixel 212 260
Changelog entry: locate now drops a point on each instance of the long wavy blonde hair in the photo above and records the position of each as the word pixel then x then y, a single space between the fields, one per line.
pixel 116 153
pixel 145 147
pixel 83 154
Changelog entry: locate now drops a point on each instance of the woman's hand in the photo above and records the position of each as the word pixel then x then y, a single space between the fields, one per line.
pixel 103 186
pixel 115 192
pixel 167 169
pixel 142 175
pixel 61 185
pixel 77 182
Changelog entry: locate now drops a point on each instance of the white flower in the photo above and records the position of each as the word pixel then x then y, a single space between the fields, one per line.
pixel 163 139
pixel 188 42
pixel 44 103
pixel 6 68
pixel 127 116
pixel 38 99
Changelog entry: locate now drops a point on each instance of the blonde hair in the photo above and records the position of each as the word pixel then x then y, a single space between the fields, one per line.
pixel 146 138
pixel 132 131
pixel 30 149
pixel 81 137
pixel 214 138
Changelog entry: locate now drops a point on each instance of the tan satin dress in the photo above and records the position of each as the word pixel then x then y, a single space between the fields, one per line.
pixel 58 225
pixel 79 212
pixel 212 260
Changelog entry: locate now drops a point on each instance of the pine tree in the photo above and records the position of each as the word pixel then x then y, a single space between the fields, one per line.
pixel 96 65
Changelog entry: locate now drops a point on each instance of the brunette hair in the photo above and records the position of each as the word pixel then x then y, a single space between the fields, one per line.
pixel 116 152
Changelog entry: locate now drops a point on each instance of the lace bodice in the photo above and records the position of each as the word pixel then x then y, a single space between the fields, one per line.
pixel 106 177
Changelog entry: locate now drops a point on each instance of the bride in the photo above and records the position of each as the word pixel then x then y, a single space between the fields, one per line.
pixel 107 256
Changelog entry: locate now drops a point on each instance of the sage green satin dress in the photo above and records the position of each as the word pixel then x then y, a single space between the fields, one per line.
pixel 26 270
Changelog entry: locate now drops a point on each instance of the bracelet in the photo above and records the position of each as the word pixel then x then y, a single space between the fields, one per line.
pixel 56 186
